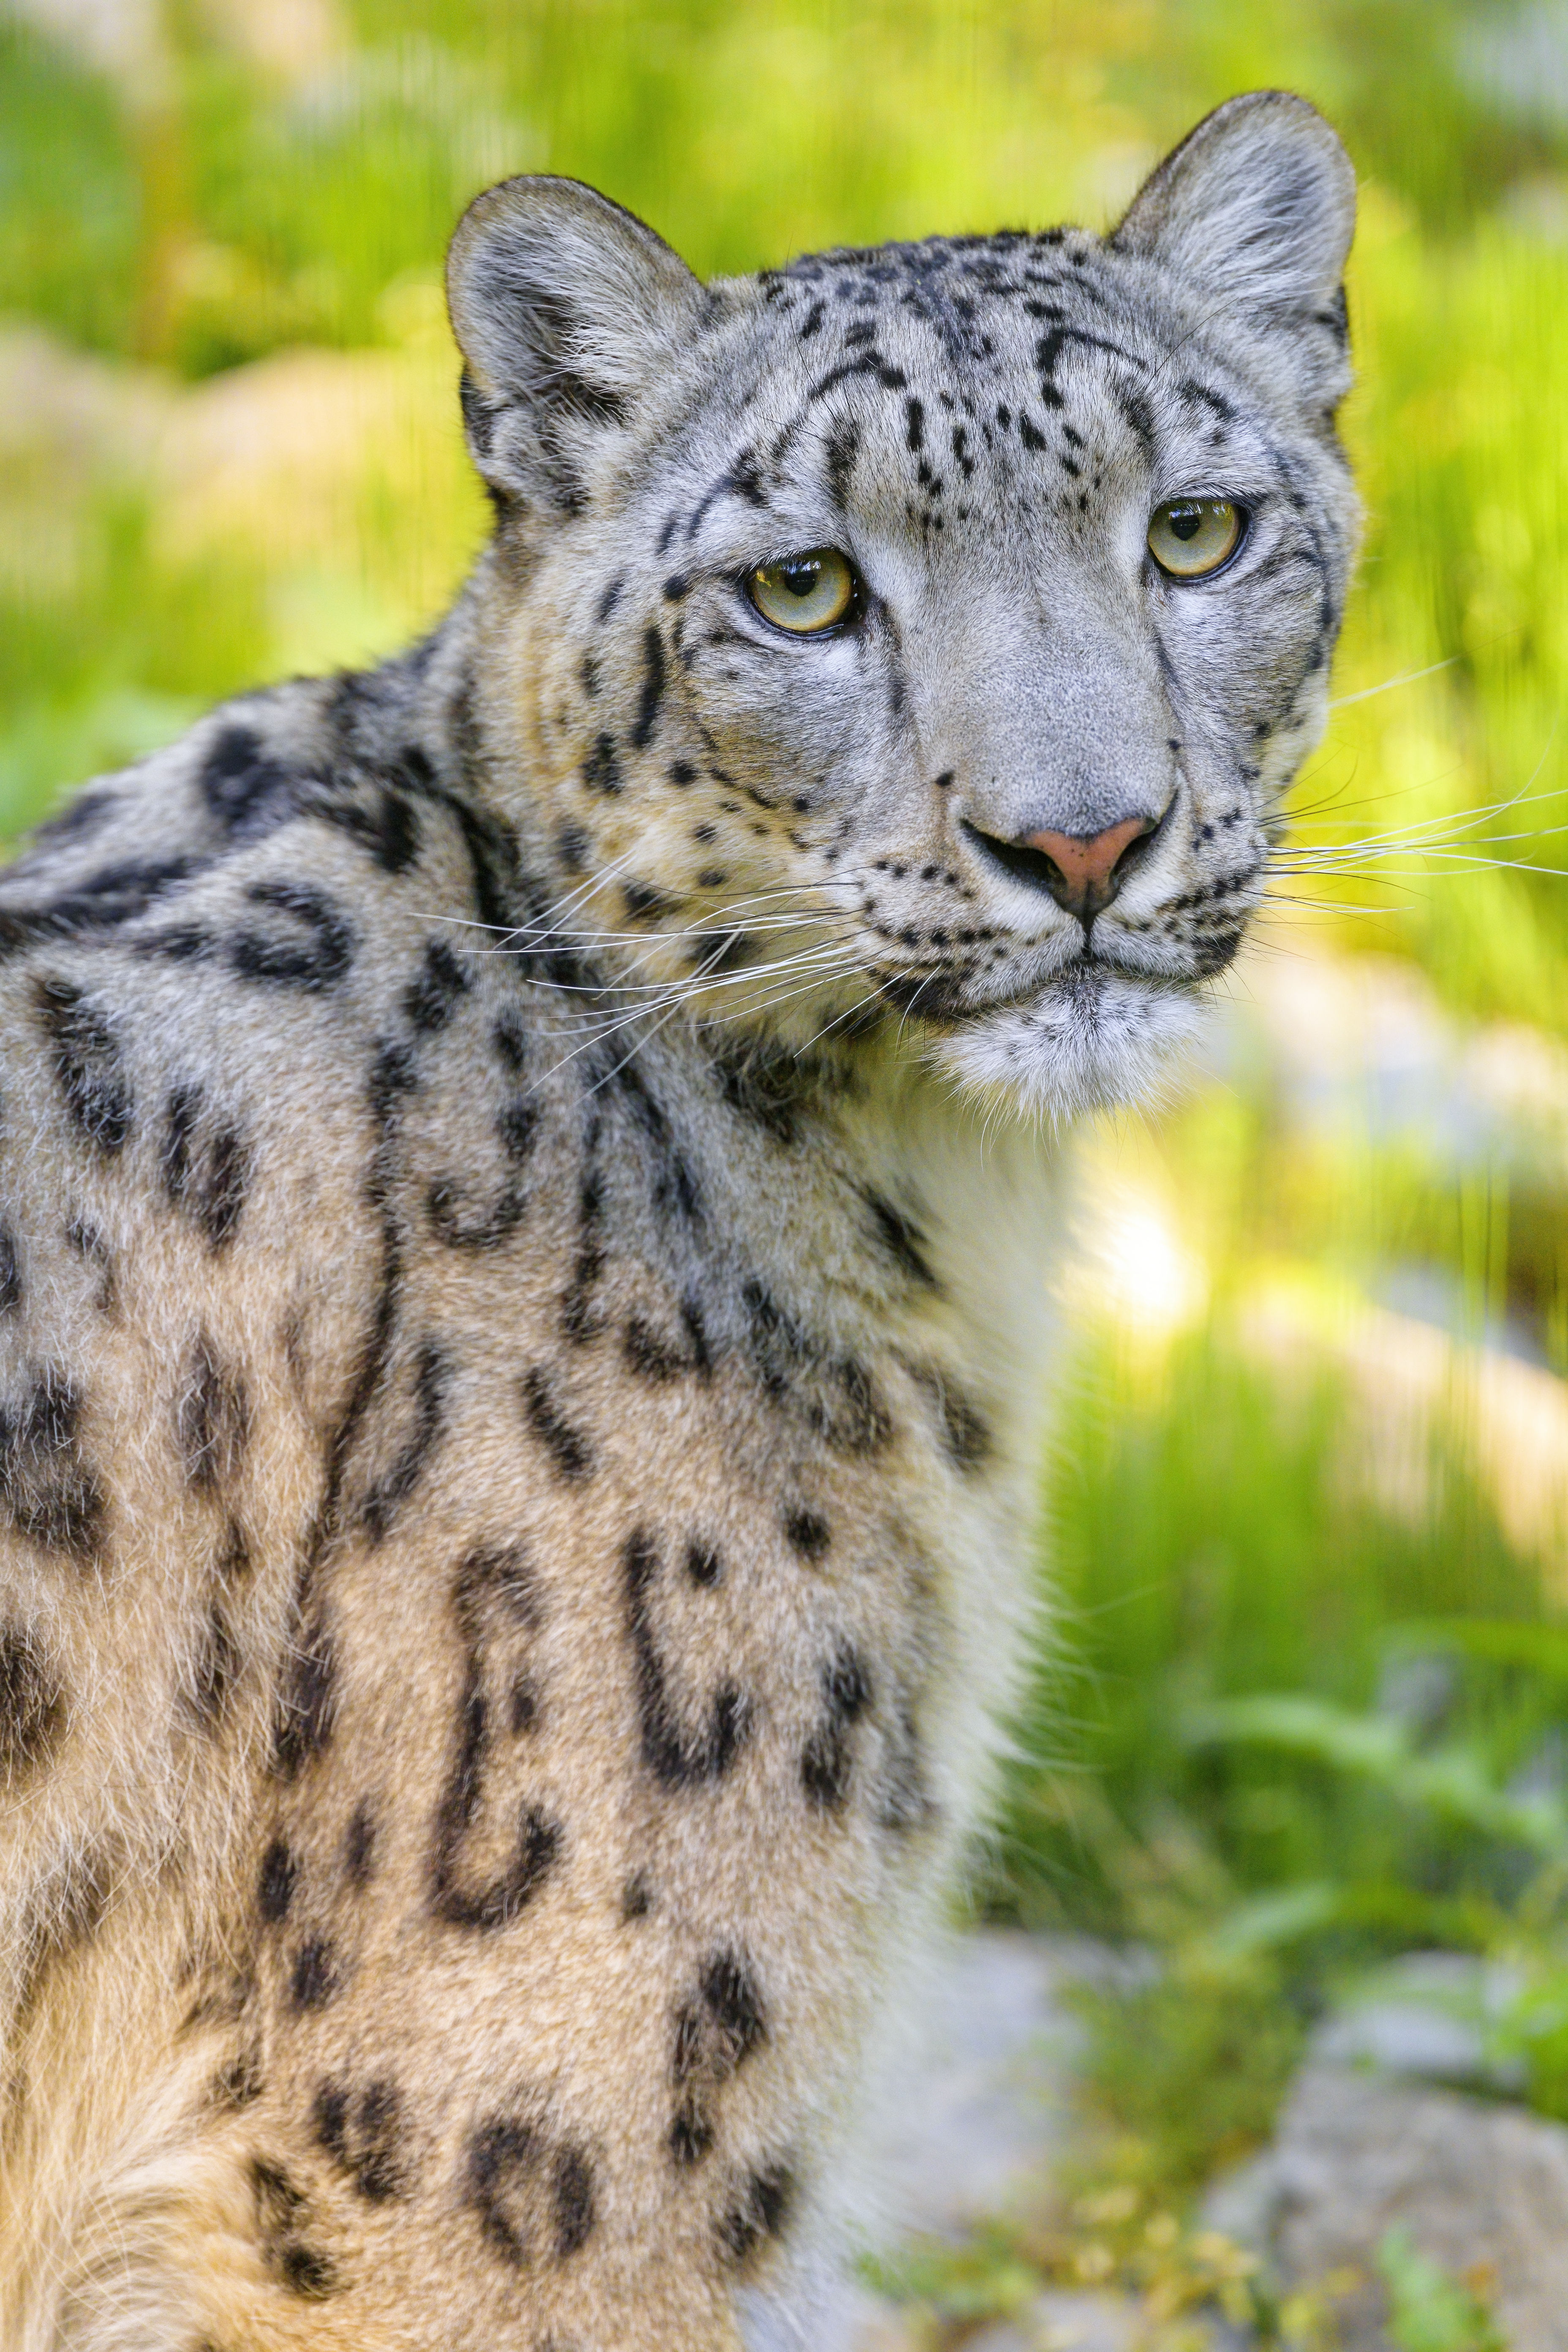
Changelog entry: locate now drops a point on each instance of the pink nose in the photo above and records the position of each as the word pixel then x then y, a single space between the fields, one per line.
pixel 1087 862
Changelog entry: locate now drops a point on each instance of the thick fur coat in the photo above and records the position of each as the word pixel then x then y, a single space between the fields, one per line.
pixel 527 1181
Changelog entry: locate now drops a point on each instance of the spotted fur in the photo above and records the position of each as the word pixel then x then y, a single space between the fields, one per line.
pixel 521 1329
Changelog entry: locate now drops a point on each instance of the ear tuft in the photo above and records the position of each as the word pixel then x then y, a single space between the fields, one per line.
pixel 564 306
pixel 1256 207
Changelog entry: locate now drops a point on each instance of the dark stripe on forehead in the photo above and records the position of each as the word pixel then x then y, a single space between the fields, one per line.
pixel 892 379
pixel 843 446
pixel 1134 406
pixel 1203 395
pixel 740 481
pixel 784 439
pixel 1081 288
pixel 1048 350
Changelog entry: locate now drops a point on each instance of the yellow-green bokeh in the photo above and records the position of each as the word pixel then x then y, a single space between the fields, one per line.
pixel 230 449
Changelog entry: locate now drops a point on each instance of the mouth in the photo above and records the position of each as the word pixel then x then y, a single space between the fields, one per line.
pixel 1093 1035
pixel 948 999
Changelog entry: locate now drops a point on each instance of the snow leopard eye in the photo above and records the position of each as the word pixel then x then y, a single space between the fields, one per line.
pixel 804 593
pixel 1190 538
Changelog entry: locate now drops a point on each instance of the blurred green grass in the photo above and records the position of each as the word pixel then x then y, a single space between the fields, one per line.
pixel 229 450
pixel 239 184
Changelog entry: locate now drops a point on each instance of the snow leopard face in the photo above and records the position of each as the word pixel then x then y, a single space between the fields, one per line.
pixel 927 633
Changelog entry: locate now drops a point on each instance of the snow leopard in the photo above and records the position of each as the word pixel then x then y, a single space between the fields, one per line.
pixel 528 1178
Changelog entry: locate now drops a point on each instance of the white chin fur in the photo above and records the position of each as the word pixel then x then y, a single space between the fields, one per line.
pixel 1090 1040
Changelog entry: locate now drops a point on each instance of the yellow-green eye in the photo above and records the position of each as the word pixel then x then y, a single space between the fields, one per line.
pixel 1192 536
pixel 804 592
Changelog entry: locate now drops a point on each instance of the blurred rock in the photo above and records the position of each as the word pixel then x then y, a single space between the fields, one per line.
pixel 1481 2188
pixel 1242 2205
pixel 1067 2322
pixel 981 2114
pixel 1060 2321
pixel 984 2111
pixel 874 2327
pixel 1426 2017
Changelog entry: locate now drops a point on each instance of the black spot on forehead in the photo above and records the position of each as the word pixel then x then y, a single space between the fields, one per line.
pixel 806 1531
pixel 703 1565
pixel 650 693
pixel 843 445
pixel 1203 395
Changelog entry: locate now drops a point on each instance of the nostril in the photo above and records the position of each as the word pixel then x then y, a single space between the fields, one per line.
pixel 1082 872
pixel 1091 865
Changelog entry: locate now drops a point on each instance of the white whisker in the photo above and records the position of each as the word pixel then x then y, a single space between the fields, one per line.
pixel 1343 701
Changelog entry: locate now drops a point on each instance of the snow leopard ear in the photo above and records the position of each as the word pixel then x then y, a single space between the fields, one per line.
pixel 563 307
pixel 1256 208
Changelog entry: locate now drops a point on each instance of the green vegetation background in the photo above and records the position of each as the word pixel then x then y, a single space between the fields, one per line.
pixel 229 450
pixel 234 181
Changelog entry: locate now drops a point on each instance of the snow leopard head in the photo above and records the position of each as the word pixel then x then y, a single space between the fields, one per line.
pixel 922 637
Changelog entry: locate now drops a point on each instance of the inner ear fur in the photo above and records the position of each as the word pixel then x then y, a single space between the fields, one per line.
pixel 564 306
pixel 1256 207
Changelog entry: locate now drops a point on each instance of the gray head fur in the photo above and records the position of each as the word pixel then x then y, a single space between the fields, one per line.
pixel 983 425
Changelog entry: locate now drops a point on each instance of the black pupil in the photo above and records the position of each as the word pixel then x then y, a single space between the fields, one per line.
pixel 1186 521
pixel 800 579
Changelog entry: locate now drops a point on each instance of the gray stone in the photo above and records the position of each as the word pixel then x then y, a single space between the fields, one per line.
pixel 1427 2016
pixel 1479 2187
pixel 1063 2321
pixel 1073 2320
pixel 984 2112
pixel 980 2114
pixel 1242 2205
